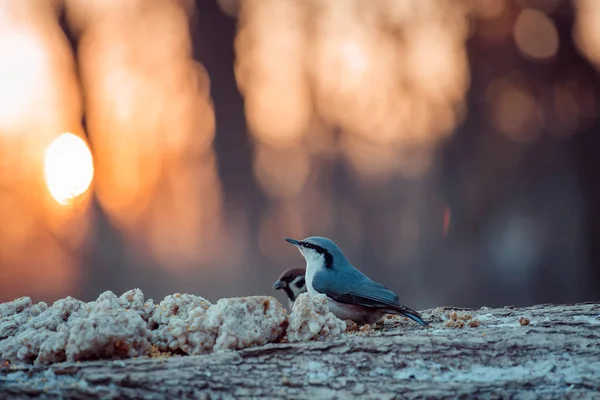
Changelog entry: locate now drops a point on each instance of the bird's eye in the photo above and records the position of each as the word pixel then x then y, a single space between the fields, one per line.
pixel 300 283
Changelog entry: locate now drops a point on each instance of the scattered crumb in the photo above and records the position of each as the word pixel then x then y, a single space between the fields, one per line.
pixel 524 321
pixel 455 324
pixel 156 353
pixel 284 339
pixel 455 320
pixel 379 325
pixel 352 326
pixel 365 328
pixel 458 317
pixel 311 319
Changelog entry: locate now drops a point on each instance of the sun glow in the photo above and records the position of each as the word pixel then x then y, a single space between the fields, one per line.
pixel 68 167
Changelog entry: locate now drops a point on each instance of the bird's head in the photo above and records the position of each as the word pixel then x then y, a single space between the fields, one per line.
pixel 319 251
pixel 292 283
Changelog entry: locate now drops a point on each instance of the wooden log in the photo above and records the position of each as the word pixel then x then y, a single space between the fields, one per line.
pixel 545 351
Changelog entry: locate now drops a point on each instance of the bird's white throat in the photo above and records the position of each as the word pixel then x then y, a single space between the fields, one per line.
pixel 314 262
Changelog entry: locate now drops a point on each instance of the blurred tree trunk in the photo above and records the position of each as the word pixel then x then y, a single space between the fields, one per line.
pixel 556 355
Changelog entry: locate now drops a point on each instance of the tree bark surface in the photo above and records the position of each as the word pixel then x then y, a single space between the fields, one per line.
pixel 554 352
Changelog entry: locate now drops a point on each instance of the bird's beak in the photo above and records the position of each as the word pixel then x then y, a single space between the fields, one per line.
pixel 279 285
pixel 293 241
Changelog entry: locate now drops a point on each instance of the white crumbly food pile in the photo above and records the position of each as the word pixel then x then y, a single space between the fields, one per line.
pixel 127 326
pixel 74 330
pixel 178 325
pixel 109 327
pixel 311 319
pixel 246 321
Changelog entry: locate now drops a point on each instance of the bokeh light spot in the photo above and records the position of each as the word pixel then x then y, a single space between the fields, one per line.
pixel 535 35
pixel 514 111
pixel 68 167
pixel 488 9
pixel 586 31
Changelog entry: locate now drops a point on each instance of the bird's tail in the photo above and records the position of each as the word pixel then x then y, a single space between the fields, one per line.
pixel 415 316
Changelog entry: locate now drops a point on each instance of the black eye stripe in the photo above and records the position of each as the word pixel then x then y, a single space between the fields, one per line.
pixel 315 247
pixel 300 282
pixel 320 250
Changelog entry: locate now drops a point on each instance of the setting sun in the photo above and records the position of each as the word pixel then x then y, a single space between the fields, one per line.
pixel 68 167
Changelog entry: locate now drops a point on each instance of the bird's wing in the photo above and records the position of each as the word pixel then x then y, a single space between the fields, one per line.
pixel 354 288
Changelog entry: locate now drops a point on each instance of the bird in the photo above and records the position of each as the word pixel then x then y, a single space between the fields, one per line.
pixel 350 293
pixel 292 282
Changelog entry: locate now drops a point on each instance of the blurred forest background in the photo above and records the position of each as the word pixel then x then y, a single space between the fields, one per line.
pixel 450 147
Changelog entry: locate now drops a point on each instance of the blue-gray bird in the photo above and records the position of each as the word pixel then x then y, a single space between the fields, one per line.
pixel 350 293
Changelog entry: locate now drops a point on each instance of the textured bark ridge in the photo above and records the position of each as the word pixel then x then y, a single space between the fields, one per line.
pixel 544 351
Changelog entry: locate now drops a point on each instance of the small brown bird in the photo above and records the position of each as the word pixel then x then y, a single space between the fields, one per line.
pixel 292 282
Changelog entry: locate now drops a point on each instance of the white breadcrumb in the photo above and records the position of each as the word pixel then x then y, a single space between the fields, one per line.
pixel 56 317
pixel 127 326
pixel 246 321
pixel 34 346
pixel 44 335
pixel 53 348
pixel 110 327
pixel 107 334
pixel 40 336
pixel 133 299
pixel 14 307
pixel 15 314
pixel 106 301
pixel 178 325
pixel 311 319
